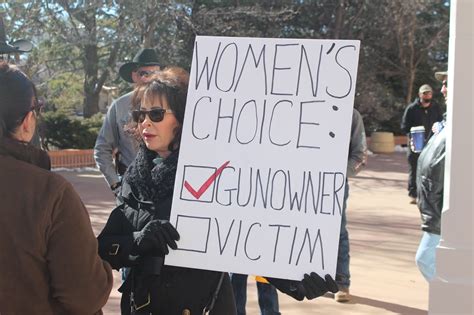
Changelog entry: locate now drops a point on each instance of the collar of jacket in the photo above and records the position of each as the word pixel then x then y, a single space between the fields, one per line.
pixel 24 152
pixel 418 101
pixel 150 182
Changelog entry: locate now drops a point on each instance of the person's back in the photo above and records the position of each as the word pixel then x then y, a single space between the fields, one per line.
pixel 48 252
pixel 42 240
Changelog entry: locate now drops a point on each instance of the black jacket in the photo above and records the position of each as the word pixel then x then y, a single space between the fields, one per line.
pixel 146 194
pixel 156 288
pixel 416 115
pixel 430 183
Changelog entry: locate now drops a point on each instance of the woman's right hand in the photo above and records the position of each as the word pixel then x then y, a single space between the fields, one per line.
pixel 156 235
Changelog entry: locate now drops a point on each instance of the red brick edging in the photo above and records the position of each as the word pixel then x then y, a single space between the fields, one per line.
pixel 72 158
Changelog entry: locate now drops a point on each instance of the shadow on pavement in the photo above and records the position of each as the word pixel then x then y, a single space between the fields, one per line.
pixel 394 162
pixel 392 307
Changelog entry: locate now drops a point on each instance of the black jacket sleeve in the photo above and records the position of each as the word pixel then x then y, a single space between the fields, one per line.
pixel 116 240
pixel 430 183
pixel 406 120
pixel 289 287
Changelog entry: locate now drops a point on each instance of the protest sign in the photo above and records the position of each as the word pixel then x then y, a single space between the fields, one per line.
pixel 261 174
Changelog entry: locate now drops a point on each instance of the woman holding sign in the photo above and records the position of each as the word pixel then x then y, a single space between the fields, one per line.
pixel 138 234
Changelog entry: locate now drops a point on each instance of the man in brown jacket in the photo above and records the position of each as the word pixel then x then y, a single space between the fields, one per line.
pixel 49 262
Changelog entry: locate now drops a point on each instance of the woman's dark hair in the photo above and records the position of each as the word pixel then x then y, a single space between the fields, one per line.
pixel 172 85
pixel 16 93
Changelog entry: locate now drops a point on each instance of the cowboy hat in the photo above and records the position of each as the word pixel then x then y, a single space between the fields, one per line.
pixel 441 75
pixel 19 46
pixel 145 57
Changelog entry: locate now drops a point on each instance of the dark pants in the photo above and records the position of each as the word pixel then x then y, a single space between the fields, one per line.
pixel 267 295
pixel 412 162
pixel 343 275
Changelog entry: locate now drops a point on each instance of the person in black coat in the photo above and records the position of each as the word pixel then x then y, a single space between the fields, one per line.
pixel 422 112
pixel 138 234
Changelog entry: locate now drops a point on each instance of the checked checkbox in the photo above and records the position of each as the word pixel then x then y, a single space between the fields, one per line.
pixel 199 182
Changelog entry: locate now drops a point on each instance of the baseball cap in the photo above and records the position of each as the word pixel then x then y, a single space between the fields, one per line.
pixel 425 88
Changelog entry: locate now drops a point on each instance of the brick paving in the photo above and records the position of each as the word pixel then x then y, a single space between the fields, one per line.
pixel 384 235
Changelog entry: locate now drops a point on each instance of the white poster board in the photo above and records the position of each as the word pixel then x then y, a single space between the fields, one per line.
pixel 261 174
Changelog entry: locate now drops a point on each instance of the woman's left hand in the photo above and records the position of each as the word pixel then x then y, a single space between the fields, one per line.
pixel 310 287
pixel 313 286
pixel 155 235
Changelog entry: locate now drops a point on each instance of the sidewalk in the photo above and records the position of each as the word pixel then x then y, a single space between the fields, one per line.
pixel 384 234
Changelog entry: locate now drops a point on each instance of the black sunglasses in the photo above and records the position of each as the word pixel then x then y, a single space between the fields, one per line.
pixel 37 106
pixel 155 114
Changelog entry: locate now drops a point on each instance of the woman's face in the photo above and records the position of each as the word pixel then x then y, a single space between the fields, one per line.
pixel 158 135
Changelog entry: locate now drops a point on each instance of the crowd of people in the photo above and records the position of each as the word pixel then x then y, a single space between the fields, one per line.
pixel 58 262
pixel 49 252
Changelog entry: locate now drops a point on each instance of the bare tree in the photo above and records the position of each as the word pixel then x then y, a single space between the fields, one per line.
pixel 95 31
pixel 408 39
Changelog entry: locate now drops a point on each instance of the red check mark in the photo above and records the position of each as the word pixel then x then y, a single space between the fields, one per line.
pixel 207 183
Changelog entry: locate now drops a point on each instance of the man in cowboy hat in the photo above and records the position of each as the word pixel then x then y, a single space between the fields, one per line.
pixel 430 182
pixel 112 141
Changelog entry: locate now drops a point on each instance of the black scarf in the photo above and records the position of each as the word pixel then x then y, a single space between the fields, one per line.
pixel 25 152
pixel 152 182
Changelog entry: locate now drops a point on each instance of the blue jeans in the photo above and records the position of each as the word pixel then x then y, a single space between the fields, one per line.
pixel 426 255
pixel 267 295
pixel 343 275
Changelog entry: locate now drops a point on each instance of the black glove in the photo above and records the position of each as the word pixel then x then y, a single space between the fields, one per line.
pixel 156 235
pixel 310 287
pixel 313 286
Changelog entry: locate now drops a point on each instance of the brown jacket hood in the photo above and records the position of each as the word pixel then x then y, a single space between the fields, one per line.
pixel 25 152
